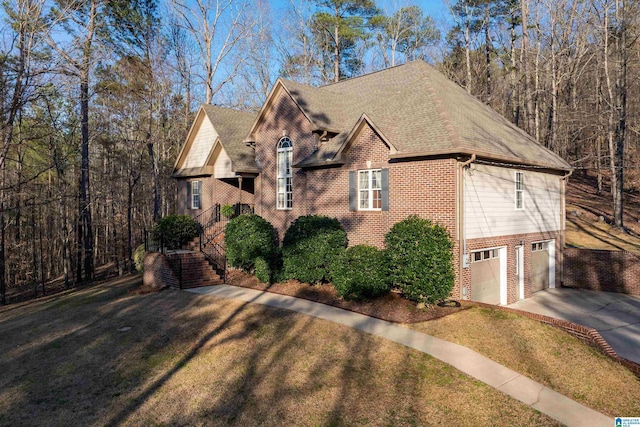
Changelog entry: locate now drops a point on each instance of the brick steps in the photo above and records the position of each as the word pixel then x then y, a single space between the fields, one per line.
pixel 193 270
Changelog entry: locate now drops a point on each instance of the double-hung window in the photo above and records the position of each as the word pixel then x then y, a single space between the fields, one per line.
pixel 370 189
pixel 519 195
pixel 196 200
pixel 284 196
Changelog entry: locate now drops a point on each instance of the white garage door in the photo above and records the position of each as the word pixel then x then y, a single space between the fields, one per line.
pixel 539 266
pixel 485 276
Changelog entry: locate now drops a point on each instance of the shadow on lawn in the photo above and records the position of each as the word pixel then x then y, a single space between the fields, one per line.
pixel 74 360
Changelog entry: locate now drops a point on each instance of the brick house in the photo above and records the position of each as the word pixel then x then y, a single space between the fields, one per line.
pixel 375 149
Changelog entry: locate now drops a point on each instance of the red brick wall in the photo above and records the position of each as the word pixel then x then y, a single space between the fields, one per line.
pixel 423 188
pixel 601 270
pixel 283 118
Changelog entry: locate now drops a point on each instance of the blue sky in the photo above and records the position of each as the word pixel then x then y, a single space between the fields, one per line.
pixel 437 9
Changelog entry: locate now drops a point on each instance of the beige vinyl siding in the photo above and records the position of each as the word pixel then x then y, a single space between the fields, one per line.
pixel 203 141
pixel 490 208
pixel 222 165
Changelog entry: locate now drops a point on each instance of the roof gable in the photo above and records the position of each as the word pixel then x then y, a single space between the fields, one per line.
pixel 214 126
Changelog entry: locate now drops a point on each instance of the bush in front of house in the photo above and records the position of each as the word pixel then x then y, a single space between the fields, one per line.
pixel 138 258
pixel 419 256
pixel 174 231
pixel 248 238
pixel 360 272
pixel 262 270
pixel 310 246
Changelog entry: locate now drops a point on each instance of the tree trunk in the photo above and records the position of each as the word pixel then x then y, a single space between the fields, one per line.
pixel 3 277
pixel 336 54
pixel 154 182
pixel 467 49
pixel 525 68
pixel 487 53
pixel 86 226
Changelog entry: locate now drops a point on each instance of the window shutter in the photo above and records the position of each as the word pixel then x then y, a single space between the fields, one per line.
pixel 353 191
pixel 385 189
pixel 188 194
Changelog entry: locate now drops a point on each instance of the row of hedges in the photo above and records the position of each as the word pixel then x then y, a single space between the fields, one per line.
pixel 418 256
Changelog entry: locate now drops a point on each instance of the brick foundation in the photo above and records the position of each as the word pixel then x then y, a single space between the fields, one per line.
pixel 601 270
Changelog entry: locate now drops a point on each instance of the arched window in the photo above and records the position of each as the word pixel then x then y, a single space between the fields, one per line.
pixel 284 196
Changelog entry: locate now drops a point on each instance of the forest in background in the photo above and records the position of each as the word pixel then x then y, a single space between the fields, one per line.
pixel 97 97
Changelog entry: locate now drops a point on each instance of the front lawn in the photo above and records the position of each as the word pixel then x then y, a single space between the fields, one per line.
pixel 103 355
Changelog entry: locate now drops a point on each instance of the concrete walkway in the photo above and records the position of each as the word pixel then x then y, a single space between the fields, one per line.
pixel 539 397
pixel 615 316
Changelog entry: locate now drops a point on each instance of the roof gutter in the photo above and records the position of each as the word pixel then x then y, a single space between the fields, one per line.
pixel 489 156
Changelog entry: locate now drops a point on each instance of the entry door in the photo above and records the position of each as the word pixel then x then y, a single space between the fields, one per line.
pixel 539 266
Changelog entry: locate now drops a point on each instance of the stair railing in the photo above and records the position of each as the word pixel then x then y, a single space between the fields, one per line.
pixel 212 226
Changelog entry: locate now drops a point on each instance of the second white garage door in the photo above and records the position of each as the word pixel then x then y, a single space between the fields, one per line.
pixel 539 266
pixel 485 276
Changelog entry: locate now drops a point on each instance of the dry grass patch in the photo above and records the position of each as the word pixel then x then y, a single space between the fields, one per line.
pixel 544 354
pixel 194 360
pixel 584 209
pixel 585 232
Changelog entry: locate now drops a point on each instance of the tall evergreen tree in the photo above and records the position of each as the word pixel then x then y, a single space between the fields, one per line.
pixel 338 26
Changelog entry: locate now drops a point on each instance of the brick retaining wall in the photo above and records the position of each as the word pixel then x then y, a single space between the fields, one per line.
pixel 157 272
pixel 585 334
pixel 602 270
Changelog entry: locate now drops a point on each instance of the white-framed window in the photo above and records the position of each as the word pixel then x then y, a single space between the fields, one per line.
pixel 284 196
pixel 196 200
pixel 370 190
pixel 539 246
pixel 519 194
pixel 485 255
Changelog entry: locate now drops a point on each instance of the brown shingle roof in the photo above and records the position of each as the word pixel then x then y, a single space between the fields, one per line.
pixel 420 112
pixel 232 126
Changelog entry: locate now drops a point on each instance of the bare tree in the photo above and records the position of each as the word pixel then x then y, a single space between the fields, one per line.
pixel 26 21
pixel 216 27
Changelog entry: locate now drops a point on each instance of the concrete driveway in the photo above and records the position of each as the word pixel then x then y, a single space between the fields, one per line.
pixel 615 316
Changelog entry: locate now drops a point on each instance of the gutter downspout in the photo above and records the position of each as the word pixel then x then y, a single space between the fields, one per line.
pixel 563 221
pixel 464 261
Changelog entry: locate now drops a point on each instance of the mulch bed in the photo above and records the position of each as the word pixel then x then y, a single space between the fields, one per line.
pixel 391 307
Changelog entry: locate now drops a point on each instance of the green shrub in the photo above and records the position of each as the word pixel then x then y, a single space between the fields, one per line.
pixel 262 270
pixel 420 259
pixel 227 211
pixel 247 238
pixel 175 231
pixel 138 258
pixel 310 246
pixel 359 272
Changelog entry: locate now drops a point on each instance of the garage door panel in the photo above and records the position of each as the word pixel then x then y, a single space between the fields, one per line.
pixel 485 281
pixel 539 266
pixel 539 270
